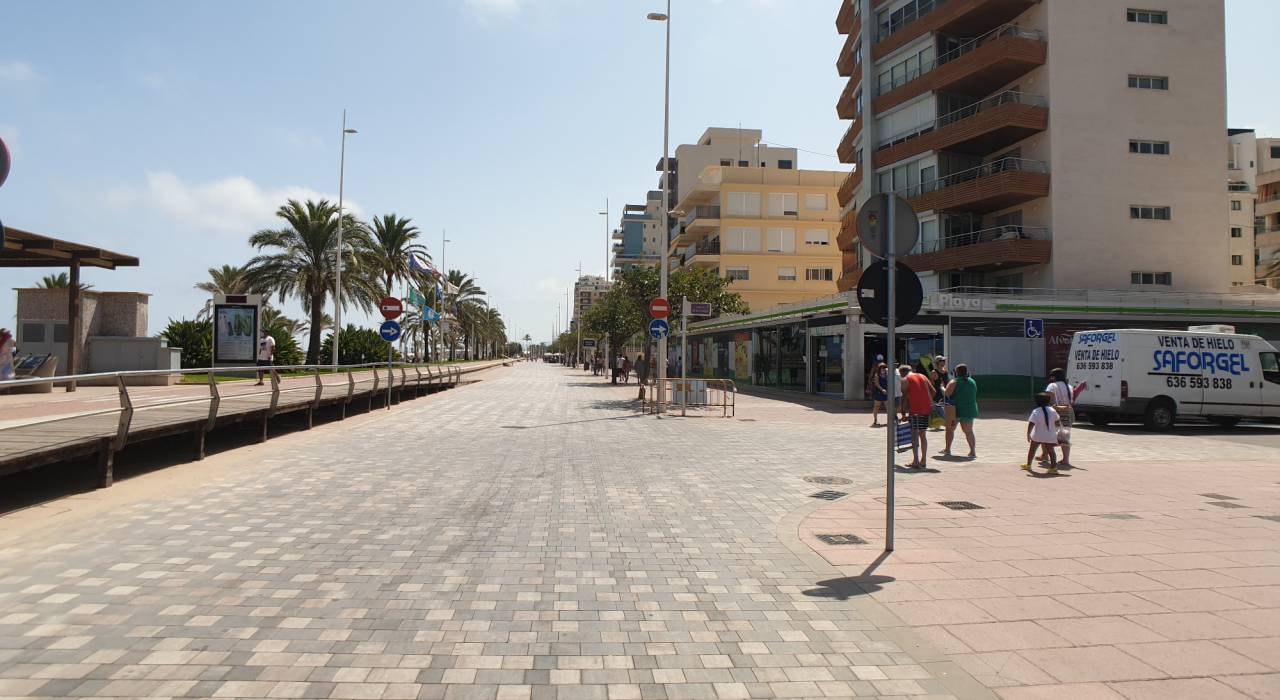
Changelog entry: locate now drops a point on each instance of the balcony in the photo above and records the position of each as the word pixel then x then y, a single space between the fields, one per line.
pixel 977 67
pixel 989 187
pixel 983 127
pixel 848 281
pixel 847 106
pixel 697 223
pixel 850 60
pixel 1268 204
pixel 954 17
pixel 705 253
pixel 847 239
pixel 849 187
pixel 983 251
pixel 848 18
pixel 848 148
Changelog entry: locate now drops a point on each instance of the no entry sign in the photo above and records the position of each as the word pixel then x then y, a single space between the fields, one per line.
pixel 659 308
pixel 391 308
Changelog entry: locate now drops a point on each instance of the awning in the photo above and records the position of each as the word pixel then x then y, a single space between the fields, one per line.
pixel 26 249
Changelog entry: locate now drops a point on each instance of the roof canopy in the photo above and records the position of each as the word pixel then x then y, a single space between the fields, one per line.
pixel 26 249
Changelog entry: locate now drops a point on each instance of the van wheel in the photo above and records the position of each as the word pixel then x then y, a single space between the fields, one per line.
pixel 1224 421
pixel 1101 420
pixel 1160 414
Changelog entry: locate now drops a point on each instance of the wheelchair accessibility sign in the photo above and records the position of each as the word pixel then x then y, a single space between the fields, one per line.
pixel 1033 328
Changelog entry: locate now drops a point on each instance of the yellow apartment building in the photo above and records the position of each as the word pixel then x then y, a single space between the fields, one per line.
pixel 770 230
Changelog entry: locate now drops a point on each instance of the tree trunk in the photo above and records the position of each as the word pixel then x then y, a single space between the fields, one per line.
pixel 313 343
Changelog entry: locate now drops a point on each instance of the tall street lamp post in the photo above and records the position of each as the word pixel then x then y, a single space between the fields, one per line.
pixel 608 239
pixel 666 196
pixel 337 270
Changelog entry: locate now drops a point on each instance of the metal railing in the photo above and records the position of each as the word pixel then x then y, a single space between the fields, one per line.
pixel 140 411
pixel 1270 198
pixel 963 49
pixel 1118 297
pixel 702 211
pixel 693 393
pixel 1237 187
pixel 711 247
pixel 986 235
pixel 995 167
pixel 887 27
pixel 1004 98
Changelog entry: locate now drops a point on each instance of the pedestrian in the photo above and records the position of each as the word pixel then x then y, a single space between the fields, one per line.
pixel 879 379
pixel 1063 401
pixel 1042 432
pixel 266 352
pixel 642 373
pixel 919 393
pixel 871 377
pixel 903 371
pixel 7 353
pixel 626 369
pixel 945 412
pixel 962 397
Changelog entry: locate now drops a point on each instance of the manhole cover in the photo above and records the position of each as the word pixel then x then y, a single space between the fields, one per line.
pixel 960 505
pixel 842 539
pixel 1117 516
pixel 1219 497
pixel 1272 518
pixel 1226 504
pixel 828 495
pixel 828 480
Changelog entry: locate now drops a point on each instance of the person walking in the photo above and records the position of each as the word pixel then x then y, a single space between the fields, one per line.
pixel 642 373
pixel 940 378
pixel 879 379
pixel 1042 433
pixel 962 398
pixel 1061 396
pixel 266 352
pixel 919 392
pixel 903 411
pixel 626 370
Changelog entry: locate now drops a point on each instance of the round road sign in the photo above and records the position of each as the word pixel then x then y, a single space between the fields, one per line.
pixel 873 294
pixel 873 225
pixel 390 331
pixel 659 308
pixel 391 308
pixel 4 161
pixel 659 329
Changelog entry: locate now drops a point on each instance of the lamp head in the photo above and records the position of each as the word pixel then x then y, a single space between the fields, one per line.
pixel 350 131
pixel 657 16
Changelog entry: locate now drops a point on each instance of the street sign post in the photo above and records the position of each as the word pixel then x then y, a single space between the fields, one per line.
pixel 695 308
pixel 588 342
pixel 1032 330
pixel 659 308
pixel 390 332
pixel 659 329
pixel 391 308
pixel 873 294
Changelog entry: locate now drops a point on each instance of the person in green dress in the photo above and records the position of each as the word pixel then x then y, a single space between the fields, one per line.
pixel 963 392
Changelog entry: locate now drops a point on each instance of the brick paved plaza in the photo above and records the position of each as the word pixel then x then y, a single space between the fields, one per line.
pixel 533 536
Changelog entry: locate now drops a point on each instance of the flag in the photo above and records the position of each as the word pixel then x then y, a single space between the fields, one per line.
pixel 429 314
pixel 419 265
pixel 416 299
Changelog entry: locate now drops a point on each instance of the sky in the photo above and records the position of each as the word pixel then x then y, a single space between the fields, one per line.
pixel 173 131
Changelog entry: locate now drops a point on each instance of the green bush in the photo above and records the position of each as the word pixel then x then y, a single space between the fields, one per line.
pixel 359 345
pixel 196 340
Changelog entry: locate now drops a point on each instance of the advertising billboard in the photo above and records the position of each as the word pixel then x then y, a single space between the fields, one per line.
pixel 235 333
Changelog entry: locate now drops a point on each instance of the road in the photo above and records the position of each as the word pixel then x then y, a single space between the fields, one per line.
pixel 529 536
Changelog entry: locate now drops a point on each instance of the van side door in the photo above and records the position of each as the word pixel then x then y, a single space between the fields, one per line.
pixel 1269 361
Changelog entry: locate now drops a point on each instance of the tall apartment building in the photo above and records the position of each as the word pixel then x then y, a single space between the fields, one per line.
pixel 1044 143
pixel 586 292
pixel 638 239
pixel 771 230
pixel 1253 184
pixel 724 146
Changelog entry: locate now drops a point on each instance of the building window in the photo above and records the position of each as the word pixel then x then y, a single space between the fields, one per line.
pixel 1157 213
pixel 819 274
pixel 815 202
pixel 784 204
pixel 1237 259
pixel 785 164
pixel 744 163
pixel 742 240
pixel 744 203
pixel 781 240
pixel 1149 82
pixel 726 162
pixel 32 333
pixel 737 273
pixel 1237 232
pixel 906 70
pixel 1163 279
pixel 1156 148
pixel 787 274
pixel 1149 16
pixel 1275 151
pixel 817 236
pixel 1236 205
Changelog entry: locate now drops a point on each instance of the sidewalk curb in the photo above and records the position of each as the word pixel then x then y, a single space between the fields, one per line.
pixel 948 673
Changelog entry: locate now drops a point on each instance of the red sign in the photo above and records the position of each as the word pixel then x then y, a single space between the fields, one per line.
pixel 659 308
pixel 391 308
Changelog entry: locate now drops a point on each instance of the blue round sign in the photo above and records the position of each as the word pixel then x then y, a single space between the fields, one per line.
pixel 390 331
pixel 659 329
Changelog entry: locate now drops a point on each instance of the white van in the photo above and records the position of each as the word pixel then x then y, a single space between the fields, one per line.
pixel 1157 377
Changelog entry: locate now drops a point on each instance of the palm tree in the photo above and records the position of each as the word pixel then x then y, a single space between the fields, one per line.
pixel 59 281
pixel 301 263
pixel 228 279
pixel 462 303
pixel 493 330
pixel 391 242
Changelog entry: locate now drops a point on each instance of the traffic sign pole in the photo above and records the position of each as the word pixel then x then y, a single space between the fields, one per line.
pixel 684 357
pixel 891 438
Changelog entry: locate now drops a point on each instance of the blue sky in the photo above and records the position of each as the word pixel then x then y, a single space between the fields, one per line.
pixel 172 131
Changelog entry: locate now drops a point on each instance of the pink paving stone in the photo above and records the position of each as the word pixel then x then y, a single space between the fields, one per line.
pixel 1073 691
pixel 1082 664
pixel 1178 689
pixel 1195 658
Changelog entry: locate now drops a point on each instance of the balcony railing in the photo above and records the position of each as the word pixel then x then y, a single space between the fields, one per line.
pixel 711 247
pixel 888 28
pixel 1237 187
pixel 988 235
pixel 847 150
pixel 1270 198
pixel 702 211
pixel 1004 98
pixel 968 47
pixel 995 167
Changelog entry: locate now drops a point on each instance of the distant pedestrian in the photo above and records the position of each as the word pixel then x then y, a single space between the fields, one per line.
pixel 919 392
pixel 7 352
pixel 266 352
pixel 1042 432
pixel 1063 401
pixel 962 397
pixel 642 373
pixel 879 386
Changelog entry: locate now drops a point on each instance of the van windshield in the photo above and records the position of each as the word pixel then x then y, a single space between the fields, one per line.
pixel 1269 362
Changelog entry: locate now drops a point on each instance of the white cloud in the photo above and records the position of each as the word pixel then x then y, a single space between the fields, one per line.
pixel 486 9
pixel 231 205
pixel 17 71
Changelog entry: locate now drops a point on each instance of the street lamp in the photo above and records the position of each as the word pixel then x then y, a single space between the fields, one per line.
pixel 608 239
pixel 337 270
pixel 666 197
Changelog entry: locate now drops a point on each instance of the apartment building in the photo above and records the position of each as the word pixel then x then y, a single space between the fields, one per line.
pixel 1254 191
pixel 1242 171
pixel 638 239
pixel 586 292
pixel 771 230
pixel 1053 144
pixel 724 146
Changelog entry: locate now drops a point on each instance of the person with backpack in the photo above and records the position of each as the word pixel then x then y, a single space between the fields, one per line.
pixel 1042 433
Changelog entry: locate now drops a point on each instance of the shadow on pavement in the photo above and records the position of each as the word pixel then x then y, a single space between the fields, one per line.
pixel 849 587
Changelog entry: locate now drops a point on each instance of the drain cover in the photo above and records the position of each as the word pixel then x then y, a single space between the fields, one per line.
pixel 828 480
pixel 961 505
pixel 842 539
pixel 828 495
pixel 1226 504
pixel 1272 518
pixel 1219 497
pixel 1117 516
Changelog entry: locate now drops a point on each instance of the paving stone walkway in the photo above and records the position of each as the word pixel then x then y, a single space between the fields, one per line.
pixel 530 536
